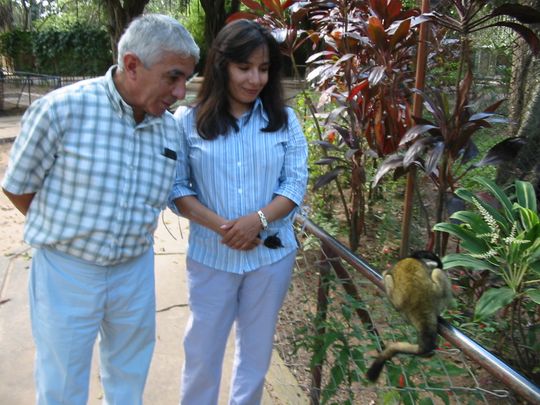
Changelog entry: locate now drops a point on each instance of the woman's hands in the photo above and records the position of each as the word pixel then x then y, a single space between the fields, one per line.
pixel 242 233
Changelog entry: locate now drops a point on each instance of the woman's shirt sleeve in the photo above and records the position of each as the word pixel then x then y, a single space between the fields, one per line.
pixel 294 173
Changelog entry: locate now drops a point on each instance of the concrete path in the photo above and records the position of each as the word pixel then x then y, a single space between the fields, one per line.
pixel 16 345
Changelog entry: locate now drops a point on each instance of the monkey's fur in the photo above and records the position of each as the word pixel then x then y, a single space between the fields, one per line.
pixel 419 289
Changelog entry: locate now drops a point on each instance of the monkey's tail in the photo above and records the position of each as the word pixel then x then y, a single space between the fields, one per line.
pixel 427 345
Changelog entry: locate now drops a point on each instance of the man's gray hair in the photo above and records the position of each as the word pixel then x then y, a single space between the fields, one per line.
pixel 151 35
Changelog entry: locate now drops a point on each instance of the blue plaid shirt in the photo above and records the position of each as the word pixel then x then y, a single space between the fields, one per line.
pixel 237 174
pixel 100 178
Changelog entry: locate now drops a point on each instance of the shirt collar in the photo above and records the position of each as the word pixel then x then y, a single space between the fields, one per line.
pixel 118 103
pixel 256 109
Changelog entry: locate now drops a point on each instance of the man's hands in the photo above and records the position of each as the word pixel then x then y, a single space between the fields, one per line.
pixel 242 233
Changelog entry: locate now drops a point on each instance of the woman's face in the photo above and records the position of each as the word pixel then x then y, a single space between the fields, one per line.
pixel 247 79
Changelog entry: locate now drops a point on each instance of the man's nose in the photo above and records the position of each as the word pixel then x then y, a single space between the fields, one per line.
pixel 179 90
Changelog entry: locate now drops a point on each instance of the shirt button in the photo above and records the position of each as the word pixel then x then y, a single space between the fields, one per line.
pixel 239 164
pixel 239 191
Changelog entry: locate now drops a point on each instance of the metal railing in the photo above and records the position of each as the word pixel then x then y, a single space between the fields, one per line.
pixel 20 89
pixel 333 252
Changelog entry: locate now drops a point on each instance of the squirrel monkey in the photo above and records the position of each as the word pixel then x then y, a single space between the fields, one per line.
pixel 419 289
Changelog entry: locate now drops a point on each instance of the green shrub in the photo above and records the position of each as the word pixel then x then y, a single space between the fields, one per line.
pixel 79 50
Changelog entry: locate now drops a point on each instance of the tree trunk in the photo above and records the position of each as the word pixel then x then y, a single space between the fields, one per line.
pixel 215 16
pixel 119 15
pixel 525 112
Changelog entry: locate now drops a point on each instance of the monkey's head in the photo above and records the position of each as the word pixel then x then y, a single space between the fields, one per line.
pixel 429 258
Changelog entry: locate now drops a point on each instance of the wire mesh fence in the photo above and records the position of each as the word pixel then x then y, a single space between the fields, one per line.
pixel 334 321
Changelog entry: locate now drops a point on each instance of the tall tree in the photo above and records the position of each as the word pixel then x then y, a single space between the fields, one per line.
pixel 6 15
pixel 216 13
pixel 119 15
pixel 525 111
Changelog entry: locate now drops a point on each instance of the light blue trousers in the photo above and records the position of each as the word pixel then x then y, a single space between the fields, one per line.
pixel 71 303
pixel 217 299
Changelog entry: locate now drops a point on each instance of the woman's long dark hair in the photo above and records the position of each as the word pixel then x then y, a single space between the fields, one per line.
pixel 235 43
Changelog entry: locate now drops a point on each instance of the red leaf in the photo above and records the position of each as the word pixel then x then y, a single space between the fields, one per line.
pixel 378 7
pixel 393 10
pixel 376 32
pixel 400 33
pixel 241 15
pixel 357 89
pixel 253 5
pixel 273 5
pixel 401 381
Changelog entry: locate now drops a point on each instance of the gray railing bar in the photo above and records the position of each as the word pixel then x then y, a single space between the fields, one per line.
pixel 357 262
pixel 496 367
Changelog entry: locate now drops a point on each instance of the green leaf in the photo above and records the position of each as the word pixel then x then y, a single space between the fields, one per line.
pixel 493 300
pixel 528 217
pixel 525 194
pixel 498 193
pixel 391 398
pixel 449 369
pixel 463 260
pixel 535 267
pixel 469 240
pixel 425 401
pixel 493 211
pixel 473 219
pixel 533 294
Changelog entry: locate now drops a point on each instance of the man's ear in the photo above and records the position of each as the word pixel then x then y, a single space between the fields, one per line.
pixel 131 63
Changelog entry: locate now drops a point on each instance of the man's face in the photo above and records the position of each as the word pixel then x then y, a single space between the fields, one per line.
pixel 160 85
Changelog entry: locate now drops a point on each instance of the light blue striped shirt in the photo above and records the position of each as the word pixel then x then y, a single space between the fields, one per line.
pixel 100 178
pixel 237 174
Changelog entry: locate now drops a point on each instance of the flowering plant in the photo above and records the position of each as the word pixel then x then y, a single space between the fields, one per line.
pixel 502 235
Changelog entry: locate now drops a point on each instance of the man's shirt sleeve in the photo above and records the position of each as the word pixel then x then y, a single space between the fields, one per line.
pixel 182 183
pixel 33 151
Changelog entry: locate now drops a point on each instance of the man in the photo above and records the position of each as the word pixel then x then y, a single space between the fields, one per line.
pixel 91 170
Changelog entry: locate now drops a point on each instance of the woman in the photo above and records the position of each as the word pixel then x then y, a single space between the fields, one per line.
pixel 240 178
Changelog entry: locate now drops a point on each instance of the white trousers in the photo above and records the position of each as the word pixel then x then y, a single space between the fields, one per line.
pixel 71 302
pixel 217 299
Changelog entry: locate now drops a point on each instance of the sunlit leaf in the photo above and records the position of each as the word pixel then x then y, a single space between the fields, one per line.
pixel 433 157
pixel 390 163
pixel 376 75
pixel 413 132
pixel 376 32
pixel 318 55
